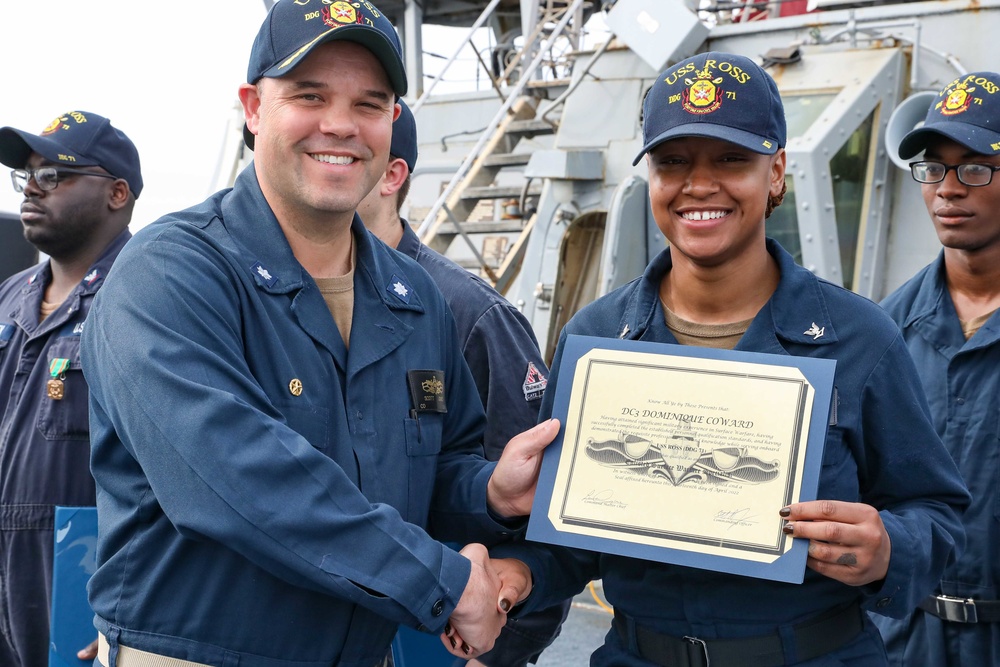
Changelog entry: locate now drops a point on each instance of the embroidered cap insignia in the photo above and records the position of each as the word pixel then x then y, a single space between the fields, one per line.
pixel 703 94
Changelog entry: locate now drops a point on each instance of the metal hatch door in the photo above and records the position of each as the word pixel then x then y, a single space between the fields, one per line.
pixel 835 216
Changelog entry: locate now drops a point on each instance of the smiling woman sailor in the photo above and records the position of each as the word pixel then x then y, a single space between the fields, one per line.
pixel 888 519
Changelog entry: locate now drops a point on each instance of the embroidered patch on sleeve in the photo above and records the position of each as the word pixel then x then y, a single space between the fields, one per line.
pixel 534 383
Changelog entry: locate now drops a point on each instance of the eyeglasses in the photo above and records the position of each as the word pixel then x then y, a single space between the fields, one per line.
pixel 971 174
pixel 47 178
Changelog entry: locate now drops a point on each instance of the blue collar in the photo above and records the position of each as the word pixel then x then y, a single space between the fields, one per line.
pixel 933 315
pixel 271 263
pixel 796 312
pixel 409 244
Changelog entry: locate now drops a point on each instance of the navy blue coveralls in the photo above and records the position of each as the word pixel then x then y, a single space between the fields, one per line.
pixel 44 447
pixel 502 353
pixel 262 493
pixel 496 341
pixel 881 450
pixel 962 381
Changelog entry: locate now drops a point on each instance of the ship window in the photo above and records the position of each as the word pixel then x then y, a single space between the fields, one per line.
pixel 849 170
pixel 802 110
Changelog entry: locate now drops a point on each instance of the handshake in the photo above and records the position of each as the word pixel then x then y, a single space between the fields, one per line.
pixel 497 584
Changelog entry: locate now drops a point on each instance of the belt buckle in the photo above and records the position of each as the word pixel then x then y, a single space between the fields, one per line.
pixel 703 645
pixel 958 610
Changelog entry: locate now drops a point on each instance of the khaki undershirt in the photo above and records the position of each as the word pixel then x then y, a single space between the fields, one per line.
pixel 47 309
pixel 717 336
pixel 970 328
pixel 338 292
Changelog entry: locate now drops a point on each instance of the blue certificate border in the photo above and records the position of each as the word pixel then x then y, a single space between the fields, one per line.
pixel 789 567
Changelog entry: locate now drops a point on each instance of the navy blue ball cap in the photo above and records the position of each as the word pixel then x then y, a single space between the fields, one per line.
pixel 404 136
pixel 717 95
pixel 76 139
pixel 967 111
pixel 292 30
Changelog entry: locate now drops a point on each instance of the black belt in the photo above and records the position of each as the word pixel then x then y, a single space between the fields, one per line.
pixel 962 610
pixel 813 638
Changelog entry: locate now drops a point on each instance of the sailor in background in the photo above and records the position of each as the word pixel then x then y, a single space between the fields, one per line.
pixel 80 178
pixel 949 316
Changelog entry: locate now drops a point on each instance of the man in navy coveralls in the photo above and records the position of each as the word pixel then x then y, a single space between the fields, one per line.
pixel 280 413
pixel 80 177
pixel 949 316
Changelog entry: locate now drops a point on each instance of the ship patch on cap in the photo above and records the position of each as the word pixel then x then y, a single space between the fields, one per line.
pixel 966 111
pixel 715 95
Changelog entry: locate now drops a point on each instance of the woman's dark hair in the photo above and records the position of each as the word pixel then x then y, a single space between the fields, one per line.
pixel 774 201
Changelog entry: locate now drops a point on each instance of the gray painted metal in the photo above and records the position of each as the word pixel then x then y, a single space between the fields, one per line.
pixel 867 81
pixel 568 165
pixel 627 250
pixel 659 32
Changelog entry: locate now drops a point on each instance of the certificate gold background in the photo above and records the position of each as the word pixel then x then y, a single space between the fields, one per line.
pixel 686 408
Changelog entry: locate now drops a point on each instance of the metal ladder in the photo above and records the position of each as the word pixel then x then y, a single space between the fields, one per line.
pixel 474 186
pixel 478 188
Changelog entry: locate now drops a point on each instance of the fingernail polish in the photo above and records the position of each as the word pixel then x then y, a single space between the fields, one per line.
pixel 788 528
pixel 505 605
pixel 466 649
pixel 447 629
pixel 785 511
pixel 453 643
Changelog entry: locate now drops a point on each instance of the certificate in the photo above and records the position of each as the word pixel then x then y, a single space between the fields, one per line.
pixel 683 454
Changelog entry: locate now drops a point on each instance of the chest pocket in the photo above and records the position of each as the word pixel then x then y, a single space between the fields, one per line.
pixel 423 444
pixel 310 421
pixel 67 418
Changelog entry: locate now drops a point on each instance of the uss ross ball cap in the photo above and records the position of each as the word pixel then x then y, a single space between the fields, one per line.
pixel 76 139
pixel 967 111
pixel 292 30
pixel 717 95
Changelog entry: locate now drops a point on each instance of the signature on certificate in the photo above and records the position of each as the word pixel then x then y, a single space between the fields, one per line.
pixel 736 517
pixel 603 497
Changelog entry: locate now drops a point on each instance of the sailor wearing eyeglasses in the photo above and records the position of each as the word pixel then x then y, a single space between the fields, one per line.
pixel 949 316
pixel 80 177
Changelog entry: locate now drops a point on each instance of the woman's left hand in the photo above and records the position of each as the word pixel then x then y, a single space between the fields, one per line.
pixel 847 541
